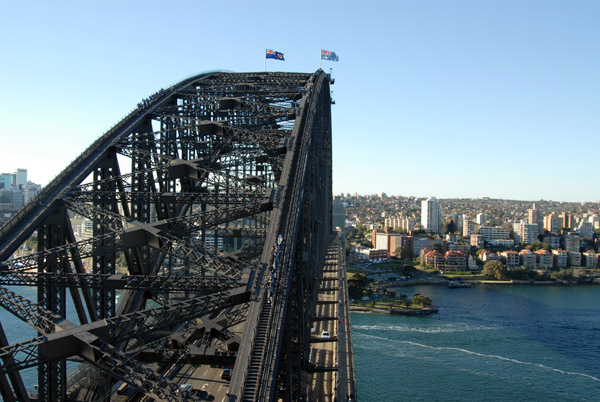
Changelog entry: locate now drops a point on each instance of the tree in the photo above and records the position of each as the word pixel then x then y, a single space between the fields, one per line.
pixel 496 269
pixel 356 285
pixel 420 300
pixel 437 246
pixel 449 227
pixel 403 253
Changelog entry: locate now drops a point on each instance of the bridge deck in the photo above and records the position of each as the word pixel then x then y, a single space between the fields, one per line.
pixel 332 377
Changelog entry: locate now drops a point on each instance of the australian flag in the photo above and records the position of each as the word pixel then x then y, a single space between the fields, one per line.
pixel 272 54
pixel 327 55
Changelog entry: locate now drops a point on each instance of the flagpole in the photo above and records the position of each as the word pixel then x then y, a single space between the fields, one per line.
pixel 265 60
pixel 321 60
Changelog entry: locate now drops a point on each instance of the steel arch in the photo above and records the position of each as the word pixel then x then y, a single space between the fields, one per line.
pixel 189 193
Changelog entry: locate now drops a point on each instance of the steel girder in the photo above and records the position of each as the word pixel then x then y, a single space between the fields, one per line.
pixel 216 164
pixel 269 366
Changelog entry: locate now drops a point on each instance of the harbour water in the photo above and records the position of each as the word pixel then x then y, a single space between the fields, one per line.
pixel 486 343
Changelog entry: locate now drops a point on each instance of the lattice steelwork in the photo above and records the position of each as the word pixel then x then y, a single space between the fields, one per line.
pixel 187 195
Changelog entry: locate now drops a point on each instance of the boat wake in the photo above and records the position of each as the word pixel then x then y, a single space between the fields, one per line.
pixel 424 330
pixel 497 357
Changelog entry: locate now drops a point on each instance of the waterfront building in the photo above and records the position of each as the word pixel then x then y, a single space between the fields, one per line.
pixel 472 263
pixel 527 259
pixel 463 248
pixel 574 258
pixel 590 259
pixel 512 259
pixel 553 240
pixel 561 258
pixel 433 259
pixel 431 215
pixel 489 256
pixel 455 261
pixel 543 259
pixel 572 241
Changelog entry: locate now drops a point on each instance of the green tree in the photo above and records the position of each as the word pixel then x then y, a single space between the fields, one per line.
pixel 437 246
pixel 496 269
pixel 420 300
pixel 403 253
pixel 357 285
pixel 449 227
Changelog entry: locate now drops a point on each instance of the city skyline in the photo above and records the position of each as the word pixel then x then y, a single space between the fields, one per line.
pixel 460 100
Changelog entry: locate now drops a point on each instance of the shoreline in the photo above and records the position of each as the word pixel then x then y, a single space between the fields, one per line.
pixel 491 282
pixel 412 311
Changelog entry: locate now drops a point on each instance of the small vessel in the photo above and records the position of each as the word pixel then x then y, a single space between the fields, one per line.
pixel 459 284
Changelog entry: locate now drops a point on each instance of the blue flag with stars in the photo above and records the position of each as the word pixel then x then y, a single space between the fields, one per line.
pixel 327 55
pixel 272 54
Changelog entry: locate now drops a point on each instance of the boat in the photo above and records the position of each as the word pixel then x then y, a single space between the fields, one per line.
pixel 459 284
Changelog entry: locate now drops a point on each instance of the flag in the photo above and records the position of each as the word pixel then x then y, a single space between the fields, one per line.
pixel 271 54
pixel 327 55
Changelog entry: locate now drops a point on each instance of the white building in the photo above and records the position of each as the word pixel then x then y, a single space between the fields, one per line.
pixel 529 233
pixel 468 227
pixel 494 233
pixel 480 218
pixel 431 215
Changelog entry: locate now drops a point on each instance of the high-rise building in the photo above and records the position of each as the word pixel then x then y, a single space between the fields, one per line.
pixel 20 178
pixel 572 242
pixel 566 220
pixel 468 226
pixel 7 180
pixel 586 229
pixel 431 215
pixel 481 218
pixel 534 216
pixel 551 223
pixel 529 233
pixel 338 218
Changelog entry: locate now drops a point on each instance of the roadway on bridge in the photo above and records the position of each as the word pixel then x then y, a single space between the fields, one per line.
pixel 326 331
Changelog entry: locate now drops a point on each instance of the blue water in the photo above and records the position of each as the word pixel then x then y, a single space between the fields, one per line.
pixel 487 343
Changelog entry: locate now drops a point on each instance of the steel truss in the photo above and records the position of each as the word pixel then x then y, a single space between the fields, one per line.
pixel 185 198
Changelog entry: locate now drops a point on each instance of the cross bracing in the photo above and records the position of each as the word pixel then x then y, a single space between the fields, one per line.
pixel 181 203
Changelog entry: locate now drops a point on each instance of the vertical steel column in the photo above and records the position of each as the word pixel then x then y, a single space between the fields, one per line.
pixel 104 198
pixel 52 377
pixel 18 391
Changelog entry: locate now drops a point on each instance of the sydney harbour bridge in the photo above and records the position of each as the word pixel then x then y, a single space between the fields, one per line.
pixel 208 237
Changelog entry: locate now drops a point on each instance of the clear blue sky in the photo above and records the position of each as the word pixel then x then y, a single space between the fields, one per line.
pixel 445 98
